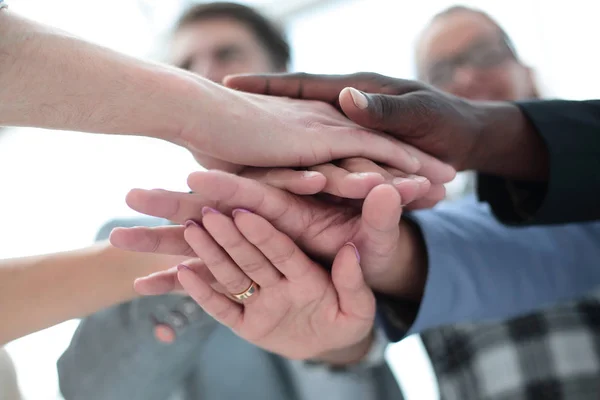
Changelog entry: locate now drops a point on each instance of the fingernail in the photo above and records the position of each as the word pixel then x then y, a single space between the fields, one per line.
pixel 310 174
pixel 239 210
pixel 359 99
pixel 398 181
pixel 355 251
pixel 418 178
pixel 182 267
pixel 364 175
pixel 191 222
pixel 415 159
pixel 209 210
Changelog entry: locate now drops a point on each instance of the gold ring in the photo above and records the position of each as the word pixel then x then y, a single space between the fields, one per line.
pixel 246 293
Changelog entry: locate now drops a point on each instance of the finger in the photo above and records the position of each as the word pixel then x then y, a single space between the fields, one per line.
pixel 358 164
pixel 436 194
pixel 317 87
pixel 225 271
pixel 162 282
pixel 411 187
pixel 243 254
pixel 398 115
pixel 432 168
pixel 297 182
pixel 226 192
pixel 402 116
pixel 378 147
pixel 279 249
pixel 348 184
pixel 162 239
pixel 379 230
pixel 217 305
pixel 355 297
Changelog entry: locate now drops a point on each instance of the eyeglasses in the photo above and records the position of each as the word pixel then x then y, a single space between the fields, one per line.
pixel 484 54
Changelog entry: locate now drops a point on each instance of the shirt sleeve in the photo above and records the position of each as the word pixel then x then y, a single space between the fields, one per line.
pixel 480 269
pixel 571 132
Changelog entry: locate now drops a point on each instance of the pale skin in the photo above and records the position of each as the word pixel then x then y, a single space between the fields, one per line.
pixel 390 260
pixel 228 241
pixel 40 291
pixel 51 79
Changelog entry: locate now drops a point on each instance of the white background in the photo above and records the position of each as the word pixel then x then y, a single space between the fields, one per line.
pixel 59 188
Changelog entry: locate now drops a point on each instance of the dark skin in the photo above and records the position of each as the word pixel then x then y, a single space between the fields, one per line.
pixel 493 138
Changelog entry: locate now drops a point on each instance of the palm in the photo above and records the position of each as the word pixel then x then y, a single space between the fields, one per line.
pixel 300 318
pixel 297 309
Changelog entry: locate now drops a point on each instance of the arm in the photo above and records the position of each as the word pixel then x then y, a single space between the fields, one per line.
pixel 40 291
pixel 479 269
pixel 554 146
pixel 50 79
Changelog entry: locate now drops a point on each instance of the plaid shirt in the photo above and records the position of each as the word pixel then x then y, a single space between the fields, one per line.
pixel 553 354
pixel 549 355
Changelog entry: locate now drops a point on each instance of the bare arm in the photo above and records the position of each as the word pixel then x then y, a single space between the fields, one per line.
pixel 40 291
pixel 51 79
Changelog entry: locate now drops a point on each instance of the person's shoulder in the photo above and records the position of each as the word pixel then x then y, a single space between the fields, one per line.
pixel 105 230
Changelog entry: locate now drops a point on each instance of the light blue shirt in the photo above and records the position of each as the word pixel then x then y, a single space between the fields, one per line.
pixel 480 269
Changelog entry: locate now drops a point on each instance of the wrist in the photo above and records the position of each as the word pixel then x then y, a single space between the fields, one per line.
pixel 186 101
pixel 349 355
pixel 405 274
pixel 507 144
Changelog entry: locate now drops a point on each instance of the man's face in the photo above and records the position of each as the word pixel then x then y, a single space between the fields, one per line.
pixel 463 53
pixel 215 48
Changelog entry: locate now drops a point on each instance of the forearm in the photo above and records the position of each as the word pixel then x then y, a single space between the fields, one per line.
pixel 38 292
pixel 508 145
pixel 480 269
pixel 50 79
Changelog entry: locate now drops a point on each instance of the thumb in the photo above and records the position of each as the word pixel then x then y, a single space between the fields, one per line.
pixel 394 114
pixel 378 237
pixel 355 298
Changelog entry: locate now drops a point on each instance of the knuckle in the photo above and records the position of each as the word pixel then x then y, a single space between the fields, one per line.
pixel 234 243
pixel 235 284
pixel 283 257
pixel 252 267
pixel 382 107
pixel 216 261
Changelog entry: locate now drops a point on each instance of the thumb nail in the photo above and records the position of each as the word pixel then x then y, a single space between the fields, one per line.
pixel 355 250
pixel 359 99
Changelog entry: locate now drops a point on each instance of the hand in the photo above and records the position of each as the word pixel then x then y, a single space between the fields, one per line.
pixel 440 124
pixel 299 310
pixel 352 178
pixel 391 252
pixel 263 131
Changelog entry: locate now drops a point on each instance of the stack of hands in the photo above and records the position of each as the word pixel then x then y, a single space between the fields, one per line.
pixel 291 259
